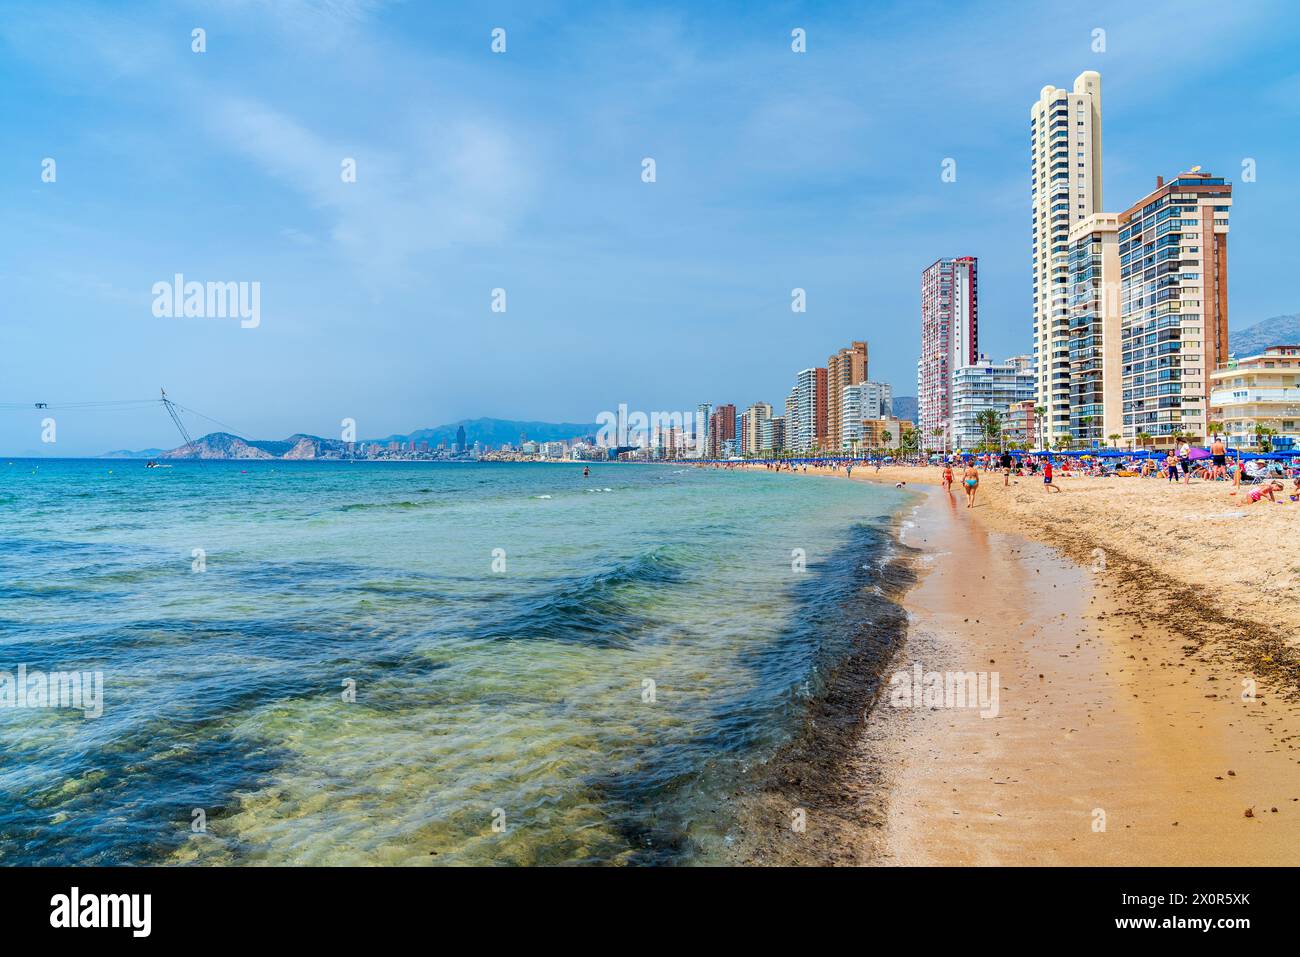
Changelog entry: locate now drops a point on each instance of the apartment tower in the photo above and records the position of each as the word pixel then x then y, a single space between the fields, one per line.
pixel 1173 253
pixel 1065 187
pixel 845 368
pixel 1096 383
pixel 949 337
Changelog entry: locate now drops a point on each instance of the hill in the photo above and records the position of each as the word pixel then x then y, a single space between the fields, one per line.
pixel 1277 331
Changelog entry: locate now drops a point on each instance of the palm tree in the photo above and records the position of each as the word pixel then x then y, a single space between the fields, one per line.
pixel 1040 413
pixel 1086 423
pixel 990 423
pixel 1263 438
pixel 1114 439
pixel 1143 438
pixel 886 437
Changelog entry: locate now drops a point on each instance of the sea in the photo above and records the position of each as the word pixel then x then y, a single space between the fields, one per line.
pixel 323 663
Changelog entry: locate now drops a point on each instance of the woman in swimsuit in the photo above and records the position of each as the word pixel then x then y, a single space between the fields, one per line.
pixel 947 478
pixel 971 480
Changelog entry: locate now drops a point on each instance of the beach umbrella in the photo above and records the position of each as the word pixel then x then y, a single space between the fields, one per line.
pixel 1200 454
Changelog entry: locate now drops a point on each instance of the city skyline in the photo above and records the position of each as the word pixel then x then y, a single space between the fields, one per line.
pixel 376 303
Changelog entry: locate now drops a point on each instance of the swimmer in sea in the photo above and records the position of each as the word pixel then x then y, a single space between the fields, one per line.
pixel 585 471
pixel 971 482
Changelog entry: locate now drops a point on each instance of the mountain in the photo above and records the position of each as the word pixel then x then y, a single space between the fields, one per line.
pixel 491 432
pixel 496 432
pixel 223 445
pixel 905 407
pixel 1278 331
pixel 128 454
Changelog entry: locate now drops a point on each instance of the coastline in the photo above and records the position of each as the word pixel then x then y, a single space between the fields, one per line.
pixel 1122 735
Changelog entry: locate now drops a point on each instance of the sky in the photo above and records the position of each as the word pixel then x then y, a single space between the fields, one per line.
pixel 523 171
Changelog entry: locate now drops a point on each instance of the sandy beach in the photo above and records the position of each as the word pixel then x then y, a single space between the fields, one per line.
pixel 1128 622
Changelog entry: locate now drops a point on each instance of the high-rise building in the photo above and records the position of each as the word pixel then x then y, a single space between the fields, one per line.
pixel 865 400
pixel 722 431
pixel 751 428
pixel 460 438
pixel 1173 252
pixel 702 413
pixel 1065 187
pixel 809 397
pixel 985 385
pixel 778 434
pixel 820 418
pixel 1096 383
pixel 845 368
pixel 949 336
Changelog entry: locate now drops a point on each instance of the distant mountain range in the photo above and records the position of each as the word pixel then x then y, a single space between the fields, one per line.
pixel 128 454
pixel 490 432
pixel 496 432
pixel 1278 331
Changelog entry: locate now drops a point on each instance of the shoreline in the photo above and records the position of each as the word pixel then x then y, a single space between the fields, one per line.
pixel 1122 736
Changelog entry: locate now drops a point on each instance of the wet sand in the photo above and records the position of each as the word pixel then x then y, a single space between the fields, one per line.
pixel 1122 735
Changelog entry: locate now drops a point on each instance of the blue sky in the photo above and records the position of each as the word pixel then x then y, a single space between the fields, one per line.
pixel 523 171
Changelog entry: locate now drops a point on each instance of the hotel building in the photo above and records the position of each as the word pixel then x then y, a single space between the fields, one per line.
pixel 722 431
pixel 1065 187
pixel 1173 249
pixel 984 385
pixel 1096 383
pixel 1259 390
pixel 751 428
pixel 845 368
pixel 866 400
pixel 949 336
pixel 702 413
pixel 809 410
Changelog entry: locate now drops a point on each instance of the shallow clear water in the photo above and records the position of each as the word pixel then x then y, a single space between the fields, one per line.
pixel 500 716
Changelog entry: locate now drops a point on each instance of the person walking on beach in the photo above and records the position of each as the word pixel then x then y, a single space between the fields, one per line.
pixel 1185 460
pixel 971 482
pixel 947 477
pixel 1006 469
pixel 1171 466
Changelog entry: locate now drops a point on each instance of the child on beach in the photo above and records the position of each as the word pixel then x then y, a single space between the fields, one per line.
pixel 1262 492
pixel 947 478
pixel 1047 477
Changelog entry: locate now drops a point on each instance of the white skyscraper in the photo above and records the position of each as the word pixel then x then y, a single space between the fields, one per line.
pixel 1065 187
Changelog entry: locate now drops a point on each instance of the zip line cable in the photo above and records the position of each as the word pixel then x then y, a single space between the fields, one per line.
pixel 172 408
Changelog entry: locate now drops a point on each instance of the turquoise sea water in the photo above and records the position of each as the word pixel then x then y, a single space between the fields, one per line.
pixel 502 715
